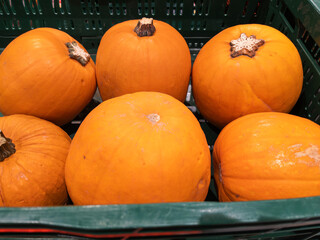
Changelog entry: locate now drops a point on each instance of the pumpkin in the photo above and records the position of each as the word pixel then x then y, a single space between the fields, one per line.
pixel 246 69
pixel 144 147
pixel 268 155
pixel 143 55
pixel 33 152
pixel 46 73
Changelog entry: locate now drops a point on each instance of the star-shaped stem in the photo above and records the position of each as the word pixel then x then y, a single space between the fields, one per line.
pixel 245 45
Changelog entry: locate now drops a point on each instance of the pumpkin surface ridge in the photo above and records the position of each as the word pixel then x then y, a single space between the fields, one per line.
pixel 28 150
pixel 118 69
pixel 147 162
pixel 258 97
pixel 227 192
pixel 284 58
pixel 52 37
pixel 65 93
pixel 166 64
pixel 112 64
pixel 29 135
pixel 176 46
pixel 26 173
pixel 258 178
pixel 28 140
pixel 118 148
pixel 289 66
pixel 167 39
pixel 263 72
pixel 221 188
pixel 2 197
pixel 60 100
pixel 13 82
pixel 72 49
pixel 49 90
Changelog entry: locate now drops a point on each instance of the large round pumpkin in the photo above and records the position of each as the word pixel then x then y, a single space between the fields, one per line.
pixel 245 69
pixel 32 160
pixel 46 73
pixel 144 147
pixel 268 155
pixel 143 55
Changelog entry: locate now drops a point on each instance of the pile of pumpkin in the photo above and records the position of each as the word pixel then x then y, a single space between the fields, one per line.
pixel 141 144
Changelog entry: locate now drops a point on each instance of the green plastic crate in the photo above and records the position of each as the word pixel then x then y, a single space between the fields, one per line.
pixel 197 21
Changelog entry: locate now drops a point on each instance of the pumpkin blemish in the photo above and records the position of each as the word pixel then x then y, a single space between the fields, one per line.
pixel 153 117
pixel 311 152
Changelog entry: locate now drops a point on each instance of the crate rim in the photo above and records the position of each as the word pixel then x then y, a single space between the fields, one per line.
pixel 124 216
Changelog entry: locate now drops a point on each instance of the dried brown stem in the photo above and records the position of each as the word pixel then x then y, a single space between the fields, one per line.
pixel 77 53
pixel 145 27
pixel 7 148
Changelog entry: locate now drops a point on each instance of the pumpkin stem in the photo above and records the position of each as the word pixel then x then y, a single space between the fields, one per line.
pixel 245 45
pixel 145 27
pixel 153 117
pixel 77 53
pixel 7 148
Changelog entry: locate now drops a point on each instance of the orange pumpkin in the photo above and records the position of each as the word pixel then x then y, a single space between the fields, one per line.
pixel 270 155
pixel 32 159
pixel 143 55
pixel 145 147
pixel 246 69
pixel 46 73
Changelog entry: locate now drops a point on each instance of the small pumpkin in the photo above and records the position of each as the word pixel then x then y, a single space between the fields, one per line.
pixel 145 147
pixel 246 69
pixel 143 55
pixel 32 160
pixel 265 156
pixel 46 73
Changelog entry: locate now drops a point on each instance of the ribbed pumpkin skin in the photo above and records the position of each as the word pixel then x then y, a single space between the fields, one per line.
pixel 127 63
pixel 265 156
pixel 119 156
pixel 226 88
pixel 34 174
pixel 38 78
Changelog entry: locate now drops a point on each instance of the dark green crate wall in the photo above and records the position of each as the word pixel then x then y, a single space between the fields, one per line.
pixel 280 219
pixel 282 16
pixel 194 19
